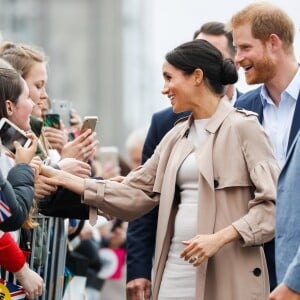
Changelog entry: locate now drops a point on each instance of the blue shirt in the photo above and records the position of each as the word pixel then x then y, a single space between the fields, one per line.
pixel 277 121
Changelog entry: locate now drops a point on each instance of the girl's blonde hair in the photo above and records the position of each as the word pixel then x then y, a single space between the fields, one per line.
pixel 22 57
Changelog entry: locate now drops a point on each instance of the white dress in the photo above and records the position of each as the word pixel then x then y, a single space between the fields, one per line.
pixel 179 278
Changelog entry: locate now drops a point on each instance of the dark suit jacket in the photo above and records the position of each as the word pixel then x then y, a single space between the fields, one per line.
pixel 252 101
pixel 140 240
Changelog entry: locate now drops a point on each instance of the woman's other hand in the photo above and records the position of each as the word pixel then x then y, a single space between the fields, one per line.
pixel 204 246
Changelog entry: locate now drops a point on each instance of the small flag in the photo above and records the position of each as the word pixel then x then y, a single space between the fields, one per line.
pixel 4 208
pixel 113 260
pixel 68 276
pixel 11 291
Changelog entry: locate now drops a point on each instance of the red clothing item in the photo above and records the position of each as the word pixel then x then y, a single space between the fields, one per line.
pixel 11 256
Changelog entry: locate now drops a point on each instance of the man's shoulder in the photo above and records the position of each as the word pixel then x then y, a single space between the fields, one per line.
pixel 168 113
pixel 248 98
pixel 164 112
pixel 168 116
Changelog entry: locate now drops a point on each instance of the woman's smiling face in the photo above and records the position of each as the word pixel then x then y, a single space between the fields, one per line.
pixel 19 112
pixel 177 87
pixel 36 80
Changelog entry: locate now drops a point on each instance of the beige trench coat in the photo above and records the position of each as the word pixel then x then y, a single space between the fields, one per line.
pixel 237 185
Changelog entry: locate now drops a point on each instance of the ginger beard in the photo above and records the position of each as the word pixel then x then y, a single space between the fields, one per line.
pixel 261 71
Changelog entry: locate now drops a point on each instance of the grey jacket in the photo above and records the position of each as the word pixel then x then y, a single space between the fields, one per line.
pixel 287 244
pixel 18 189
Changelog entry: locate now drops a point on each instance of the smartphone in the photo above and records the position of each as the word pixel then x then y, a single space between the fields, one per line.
pixel 52 120
pixel 89 122
pixel 9 133
pixel 63 109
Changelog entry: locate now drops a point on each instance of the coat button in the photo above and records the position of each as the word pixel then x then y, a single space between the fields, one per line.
pixel 216 183
pixel 257 272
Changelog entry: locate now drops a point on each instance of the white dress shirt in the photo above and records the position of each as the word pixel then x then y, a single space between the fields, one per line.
pixel 277 121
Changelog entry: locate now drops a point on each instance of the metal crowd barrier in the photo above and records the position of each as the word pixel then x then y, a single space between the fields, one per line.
pixel 48 255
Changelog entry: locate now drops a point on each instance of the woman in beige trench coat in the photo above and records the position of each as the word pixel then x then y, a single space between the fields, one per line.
pixel 236 176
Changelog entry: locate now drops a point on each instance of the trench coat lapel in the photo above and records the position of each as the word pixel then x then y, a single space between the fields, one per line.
pixel 207 203
pixel 204 156
pixel 166 212
pixel 180 151
pixel 207 207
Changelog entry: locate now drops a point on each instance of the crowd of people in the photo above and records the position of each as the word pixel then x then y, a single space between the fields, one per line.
pixel 210 193
pixel 24 190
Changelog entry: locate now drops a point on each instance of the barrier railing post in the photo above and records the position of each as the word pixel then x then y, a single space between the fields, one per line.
pixel 48 255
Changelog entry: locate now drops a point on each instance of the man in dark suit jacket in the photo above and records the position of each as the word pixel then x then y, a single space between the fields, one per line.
pixel 253 101
pixel 141 232
pixel 263 35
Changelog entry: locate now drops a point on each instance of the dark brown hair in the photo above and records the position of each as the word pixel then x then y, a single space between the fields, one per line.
pixel 11 88
pixel 200 54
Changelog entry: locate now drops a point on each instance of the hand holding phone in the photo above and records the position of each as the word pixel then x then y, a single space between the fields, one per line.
pixel 89 122
pixel 9 133
pixel 26 155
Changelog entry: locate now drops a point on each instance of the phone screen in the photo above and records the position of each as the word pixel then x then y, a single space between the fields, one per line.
pixel 89 122
pixel 52 120
pixel 9 134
